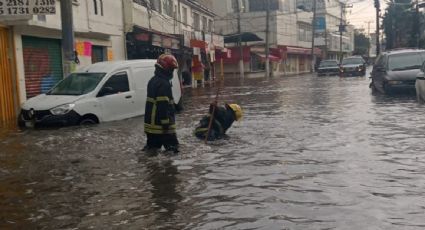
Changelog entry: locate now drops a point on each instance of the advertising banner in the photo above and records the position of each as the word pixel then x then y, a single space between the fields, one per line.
pixel 27 7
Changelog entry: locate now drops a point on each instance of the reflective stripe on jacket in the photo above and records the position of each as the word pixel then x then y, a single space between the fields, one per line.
pixel 160 110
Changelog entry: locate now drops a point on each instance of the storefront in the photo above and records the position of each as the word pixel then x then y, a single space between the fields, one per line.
pixel 297 59
pixel 148 44
pixel 42 63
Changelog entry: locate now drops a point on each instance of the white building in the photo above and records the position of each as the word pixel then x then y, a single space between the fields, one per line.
pixel 290 34
pixel 34 43
pixel 37 40
pixel 181 27
pixel 330 14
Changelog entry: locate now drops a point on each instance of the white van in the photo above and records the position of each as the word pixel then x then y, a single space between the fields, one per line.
pixel 101 92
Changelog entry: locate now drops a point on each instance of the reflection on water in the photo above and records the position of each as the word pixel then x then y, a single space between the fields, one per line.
pixel 310 153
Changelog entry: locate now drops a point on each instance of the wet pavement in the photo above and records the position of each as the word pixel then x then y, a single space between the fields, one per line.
pixel 310 153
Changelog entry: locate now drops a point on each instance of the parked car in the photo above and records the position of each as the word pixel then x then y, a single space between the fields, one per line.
pixel 353 66
pixel 420 84
pixel 397 70
pixel 328 67
pixel 101 92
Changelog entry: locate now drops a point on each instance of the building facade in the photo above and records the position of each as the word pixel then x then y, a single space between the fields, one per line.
pixel 184 28
pixel 329 16
pixel 37 49
pixel 290 33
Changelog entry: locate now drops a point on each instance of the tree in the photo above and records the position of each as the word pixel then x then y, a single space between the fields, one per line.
pixel 361 44
pixel 401 24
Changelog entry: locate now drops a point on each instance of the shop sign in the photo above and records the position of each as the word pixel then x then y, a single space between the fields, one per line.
pixel 198 43
pixel 218 41
pixel 166 42
pixel 175 43
pixel 27 7
pixel 208 38
pixel 156 40
pixel 198 35
pixel 144 37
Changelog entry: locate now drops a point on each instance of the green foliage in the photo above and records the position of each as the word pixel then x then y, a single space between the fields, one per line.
pixel 401 24
pixel 361 44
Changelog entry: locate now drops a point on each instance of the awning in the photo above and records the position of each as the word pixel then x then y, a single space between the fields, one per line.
pixel 245 37
pixel 300 50
pixel 263 57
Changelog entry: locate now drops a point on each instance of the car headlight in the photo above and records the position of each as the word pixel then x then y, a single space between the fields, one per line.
pixel 395 82
pixel 62 109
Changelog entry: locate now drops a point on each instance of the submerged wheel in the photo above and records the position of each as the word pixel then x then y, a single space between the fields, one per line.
pixel 89 120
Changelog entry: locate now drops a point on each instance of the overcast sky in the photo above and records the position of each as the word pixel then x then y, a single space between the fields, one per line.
pixel 362 12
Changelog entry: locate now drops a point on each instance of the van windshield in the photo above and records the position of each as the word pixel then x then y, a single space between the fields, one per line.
pixel 77 84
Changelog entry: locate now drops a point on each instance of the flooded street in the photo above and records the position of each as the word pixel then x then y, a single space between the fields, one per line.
pixel 310 153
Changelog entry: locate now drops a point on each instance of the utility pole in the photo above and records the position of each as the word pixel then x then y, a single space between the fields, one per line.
pixel 267 38
pixel 377 6
pixel 241 64
pixel 313 31
pixel 341 28
pixel 368 35
pixel 418 35
pixel 67 35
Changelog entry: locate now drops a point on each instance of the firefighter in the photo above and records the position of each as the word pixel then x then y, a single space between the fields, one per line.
pixel 223 120
pixel 160 126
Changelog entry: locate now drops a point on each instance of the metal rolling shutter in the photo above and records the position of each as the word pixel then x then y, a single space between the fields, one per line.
pixel 43 64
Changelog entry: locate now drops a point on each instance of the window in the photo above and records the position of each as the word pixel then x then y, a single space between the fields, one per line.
pixel 98 54
pixel 185 15
pixel 156 5
pixel 196 22
pixel 304 32
pixel 204 23
pixel 101 7
pixel 239 4
pixel 260 5
pixel 168 7
pixel 118 82
pixel 95 6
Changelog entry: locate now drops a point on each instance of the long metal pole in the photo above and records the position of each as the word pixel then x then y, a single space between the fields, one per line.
pixel 241 64
pixel 267 38
pixel 418 35
pixel 67 35
pixel 377 6
pixel 313 31
pixel 340 34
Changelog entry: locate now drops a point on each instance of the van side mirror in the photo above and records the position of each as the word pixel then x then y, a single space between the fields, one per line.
pixel 107 90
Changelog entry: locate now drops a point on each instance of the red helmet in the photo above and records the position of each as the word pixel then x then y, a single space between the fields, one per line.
pixel 167 62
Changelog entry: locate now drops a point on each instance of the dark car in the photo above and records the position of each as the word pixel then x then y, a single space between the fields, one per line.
pixel 397 70
pixel 353 66
pixel 328 67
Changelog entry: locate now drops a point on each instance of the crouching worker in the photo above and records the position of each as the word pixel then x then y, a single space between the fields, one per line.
pixel 223 120
pixel 160 126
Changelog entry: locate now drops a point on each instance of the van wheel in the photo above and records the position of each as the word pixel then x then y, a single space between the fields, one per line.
pixel 89 120
pixel 179 106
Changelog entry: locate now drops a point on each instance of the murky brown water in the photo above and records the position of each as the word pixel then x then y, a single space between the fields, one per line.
pixel 310 153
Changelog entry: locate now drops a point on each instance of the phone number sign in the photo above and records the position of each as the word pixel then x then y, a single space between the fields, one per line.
pixel 27 7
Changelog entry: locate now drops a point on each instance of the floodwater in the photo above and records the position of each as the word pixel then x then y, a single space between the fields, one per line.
pixel 310 153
